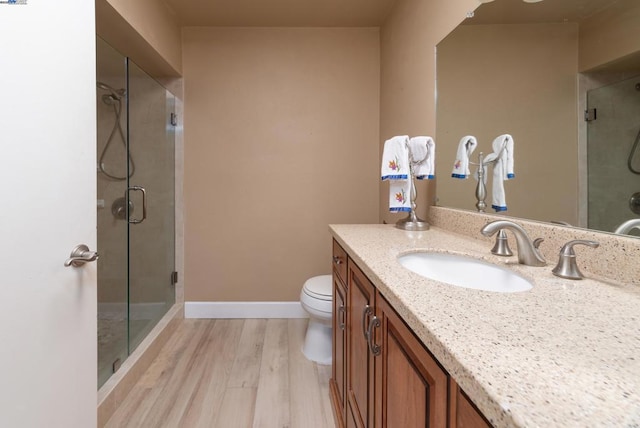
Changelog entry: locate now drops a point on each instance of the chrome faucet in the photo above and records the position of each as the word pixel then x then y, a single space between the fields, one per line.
pixel 626 227
pixel 528 253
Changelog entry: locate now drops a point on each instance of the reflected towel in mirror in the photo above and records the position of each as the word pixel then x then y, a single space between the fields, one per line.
pixel 502 170
pixel 466 146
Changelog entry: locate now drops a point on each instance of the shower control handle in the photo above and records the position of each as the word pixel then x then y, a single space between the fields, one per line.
pixel 634 203
pixel 144 203
pixel 81 255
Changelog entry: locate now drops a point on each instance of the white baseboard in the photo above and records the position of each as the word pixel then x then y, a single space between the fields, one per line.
pixel 244 310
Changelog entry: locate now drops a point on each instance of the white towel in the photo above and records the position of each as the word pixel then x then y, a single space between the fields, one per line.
pixel 461 166
pixel 422 152
pixel 400 195
pixel 502 170
pixel 395 158
pixel 395 168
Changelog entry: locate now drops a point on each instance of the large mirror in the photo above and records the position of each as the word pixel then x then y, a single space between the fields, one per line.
pixel 532 70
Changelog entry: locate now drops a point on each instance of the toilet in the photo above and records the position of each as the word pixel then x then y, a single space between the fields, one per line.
pixel 316 298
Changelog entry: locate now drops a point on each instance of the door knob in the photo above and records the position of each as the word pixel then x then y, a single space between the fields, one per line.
pixel 80 255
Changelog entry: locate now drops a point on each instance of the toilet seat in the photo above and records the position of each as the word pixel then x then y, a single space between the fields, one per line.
pixel 319 287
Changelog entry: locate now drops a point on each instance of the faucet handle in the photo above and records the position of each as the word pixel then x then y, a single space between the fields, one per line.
pixel 567 249
pixel 501 247
pixel 567 266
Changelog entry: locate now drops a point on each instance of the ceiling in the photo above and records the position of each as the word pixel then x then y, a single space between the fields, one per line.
pixel 280 13
pixel 519 12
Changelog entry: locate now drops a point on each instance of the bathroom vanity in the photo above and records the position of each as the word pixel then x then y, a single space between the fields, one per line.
pixel 383 372
pixel 409 351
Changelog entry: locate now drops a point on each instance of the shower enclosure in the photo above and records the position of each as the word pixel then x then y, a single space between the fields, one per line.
pixel 613 154
pixel 135 170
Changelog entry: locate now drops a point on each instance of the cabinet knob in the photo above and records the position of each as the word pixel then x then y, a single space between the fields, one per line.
pixel 337 260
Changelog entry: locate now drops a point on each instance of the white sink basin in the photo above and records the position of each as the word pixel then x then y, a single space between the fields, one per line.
pixel 464 272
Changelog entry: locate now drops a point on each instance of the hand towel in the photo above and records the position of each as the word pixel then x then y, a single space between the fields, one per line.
pixel 461 166
pixel 395 158
pixel 502 170
pixel 395 168
pixel 400 195
pixel 422 152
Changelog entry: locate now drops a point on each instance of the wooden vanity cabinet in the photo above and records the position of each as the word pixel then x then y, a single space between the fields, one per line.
pixel 361 296
pixel 382 374
pixel 337 384
pixel 411 387
pixel 462 412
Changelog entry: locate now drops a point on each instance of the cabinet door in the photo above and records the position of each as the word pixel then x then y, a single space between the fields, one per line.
pixel 338 370
pixel 462 412
pixel 360 372
pixel 411 388
pixel 339 262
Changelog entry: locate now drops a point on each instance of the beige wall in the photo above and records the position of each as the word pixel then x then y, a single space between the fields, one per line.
pixel 144 30
pixel 407 85
pixel 281 138
pixel 520 80
pixel 610 35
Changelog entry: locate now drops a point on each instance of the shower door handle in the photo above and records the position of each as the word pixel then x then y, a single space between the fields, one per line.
pixel 144 203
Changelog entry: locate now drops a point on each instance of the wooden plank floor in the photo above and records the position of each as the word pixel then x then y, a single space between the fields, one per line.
pixel 232 374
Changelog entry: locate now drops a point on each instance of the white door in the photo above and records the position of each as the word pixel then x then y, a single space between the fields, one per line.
pixel 47 206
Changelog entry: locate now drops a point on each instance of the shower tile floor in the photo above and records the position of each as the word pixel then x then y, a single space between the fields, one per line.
pixel 112 342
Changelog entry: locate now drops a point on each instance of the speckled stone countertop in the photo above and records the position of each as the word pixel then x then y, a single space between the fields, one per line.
pixel 564 354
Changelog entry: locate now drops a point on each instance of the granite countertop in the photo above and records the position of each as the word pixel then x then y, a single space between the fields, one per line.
pixel 564 354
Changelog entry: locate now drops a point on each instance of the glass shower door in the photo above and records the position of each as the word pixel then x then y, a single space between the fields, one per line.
pixel 151 235
pixel 135 209
pixel 112 226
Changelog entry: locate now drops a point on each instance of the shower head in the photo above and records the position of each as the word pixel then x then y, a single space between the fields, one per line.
pixel 116 94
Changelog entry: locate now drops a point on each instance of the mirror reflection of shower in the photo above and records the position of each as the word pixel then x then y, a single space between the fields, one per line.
pixel 634 149
pixel 613 151
pixel 113 98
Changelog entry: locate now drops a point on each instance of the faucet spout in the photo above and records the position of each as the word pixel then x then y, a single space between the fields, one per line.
pixel 528 253
pixel 626 227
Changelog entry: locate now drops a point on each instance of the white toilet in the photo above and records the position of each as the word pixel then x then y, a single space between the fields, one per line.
pixel 316 298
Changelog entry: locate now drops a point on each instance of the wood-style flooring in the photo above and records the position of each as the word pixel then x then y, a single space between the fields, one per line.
pixel 232 374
